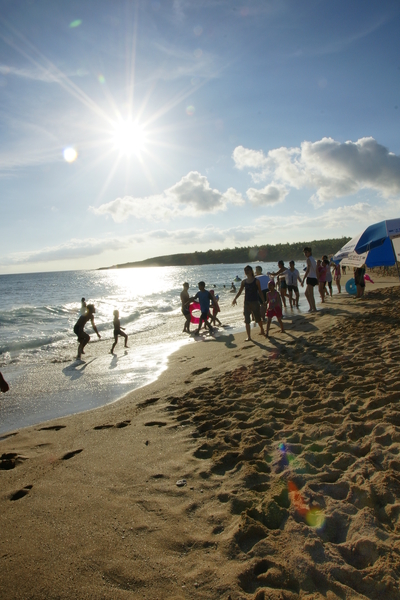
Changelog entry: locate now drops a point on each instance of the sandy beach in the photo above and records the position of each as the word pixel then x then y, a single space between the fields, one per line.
pixel 265 470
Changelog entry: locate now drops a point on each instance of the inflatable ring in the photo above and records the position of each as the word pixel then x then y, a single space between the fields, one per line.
pixel 351 287
pixel 194 306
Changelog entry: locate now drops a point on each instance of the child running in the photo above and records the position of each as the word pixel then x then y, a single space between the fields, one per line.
pixel 118 331
pixel 274 308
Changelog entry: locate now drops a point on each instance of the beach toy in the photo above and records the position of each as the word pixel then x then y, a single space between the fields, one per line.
pixel 351 287
pixel 367 278
pixel 192 307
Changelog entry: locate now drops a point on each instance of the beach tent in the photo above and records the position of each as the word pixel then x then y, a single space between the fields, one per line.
pixel 377 246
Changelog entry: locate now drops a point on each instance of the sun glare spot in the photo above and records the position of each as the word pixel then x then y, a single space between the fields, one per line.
pixel 128 137
pixel 70 154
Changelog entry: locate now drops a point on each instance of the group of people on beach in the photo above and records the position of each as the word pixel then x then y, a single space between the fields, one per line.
pixel 87 314
pixel 262 301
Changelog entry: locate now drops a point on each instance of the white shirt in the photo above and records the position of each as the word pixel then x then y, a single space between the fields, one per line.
pixel 313 268
pixel 291 277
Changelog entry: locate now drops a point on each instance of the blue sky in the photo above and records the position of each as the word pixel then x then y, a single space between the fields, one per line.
pixel 134 129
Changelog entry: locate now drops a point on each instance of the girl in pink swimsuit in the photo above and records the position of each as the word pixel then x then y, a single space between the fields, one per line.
pixel 274 309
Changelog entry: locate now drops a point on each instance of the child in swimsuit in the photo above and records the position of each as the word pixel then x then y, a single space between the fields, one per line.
pixel 274 306
pixel 215 309
pixel 118 331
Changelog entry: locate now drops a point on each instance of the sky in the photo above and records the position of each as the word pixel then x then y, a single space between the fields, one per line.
pixel 132 129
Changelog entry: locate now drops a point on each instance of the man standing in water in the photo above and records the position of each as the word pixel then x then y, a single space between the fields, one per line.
pixel 185 307
pixel 311 276
pixel 79 329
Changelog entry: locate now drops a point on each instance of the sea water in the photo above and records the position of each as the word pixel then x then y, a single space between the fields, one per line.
pixel 38 347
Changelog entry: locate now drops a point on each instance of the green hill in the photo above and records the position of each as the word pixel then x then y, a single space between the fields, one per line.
pixel 265 253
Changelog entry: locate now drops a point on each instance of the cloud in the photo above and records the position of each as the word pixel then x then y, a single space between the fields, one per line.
pixel 269 195
pixel 268 229
pixel 192 193
pixel 72 249
pixel 333 169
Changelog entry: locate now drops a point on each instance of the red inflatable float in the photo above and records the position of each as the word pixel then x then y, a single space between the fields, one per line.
pixel 192 307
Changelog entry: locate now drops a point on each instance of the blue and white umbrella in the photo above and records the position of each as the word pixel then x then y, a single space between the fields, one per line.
pixel 377 246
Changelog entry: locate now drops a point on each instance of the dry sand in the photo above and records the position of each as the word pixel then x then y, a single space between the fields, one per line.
pixel 290 452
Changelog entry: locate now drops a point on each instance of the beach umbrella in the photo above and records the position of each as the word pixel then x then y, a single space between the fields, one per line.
pixel 376 246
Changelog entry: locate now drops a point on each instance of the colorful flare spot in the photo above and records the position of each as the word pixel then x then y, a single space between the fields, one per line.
pixel 315 518
pixel 297 499
pixel 70 154
pixel 198 30
pixel 190 110
pixel 75 23
pixel 101 79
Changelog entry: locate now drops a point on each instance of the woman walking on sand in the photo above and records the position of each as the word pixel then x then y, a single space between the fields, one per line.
pixel 252 288
pixel 79 329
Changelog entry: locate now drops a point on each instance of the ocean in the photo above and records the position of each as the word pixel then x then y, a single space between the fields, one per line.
pixel 38 347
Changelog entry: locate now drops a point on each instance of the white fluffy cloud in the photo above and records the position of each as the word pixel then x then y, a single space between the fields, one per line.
pixel 192 193
pixel 331 168
pixel 269 195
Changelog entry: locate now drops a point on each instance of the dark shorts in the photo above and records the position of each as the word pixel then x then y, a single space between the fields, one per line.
pixel 81 334
pixel 204 315
pixel 312 281
pixel 292 288
pixel 185 312
pixel 118 332
pixel 282 284
pixel 360 283
pixel 329 284
pixel 251 307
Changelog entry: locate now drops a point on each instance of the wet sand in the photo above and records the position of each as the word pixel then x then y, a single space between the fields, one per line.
pixel 265 470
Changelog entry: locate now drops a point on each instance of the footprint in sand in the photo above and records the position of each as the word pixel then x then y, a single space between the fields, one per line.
pixel 155 424
pixel 147 402
pixel 71 454
pixel 21 493
pixel 113 425
pixel 10 460
pixel 52 428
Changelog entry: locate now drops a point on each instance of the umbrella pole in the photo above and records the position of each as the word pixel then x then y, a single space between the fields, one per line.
pixel 395 258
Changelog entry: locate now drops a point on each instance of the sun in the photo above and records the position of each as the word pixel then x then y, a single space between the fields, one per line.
pixel 128 138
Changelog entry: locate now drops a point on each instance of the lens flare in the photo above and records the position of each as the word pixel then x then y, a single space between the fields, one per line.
pixel 315 518
pixel 190 110
pixel 198 30
pixel 70 154
pixel 101 78
pixel 75 23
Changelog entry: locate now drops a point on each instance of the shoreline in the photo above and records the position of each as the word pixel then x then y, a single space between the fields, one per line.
pixel 287 442
pixel 44 392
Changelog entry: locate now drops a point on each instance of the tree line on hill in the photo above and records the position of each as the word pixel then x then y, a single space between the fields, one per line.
pixel 247 254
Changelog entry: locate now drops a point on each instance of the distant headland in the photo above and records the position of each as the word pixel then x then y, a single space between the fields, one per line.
pixel 264 253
